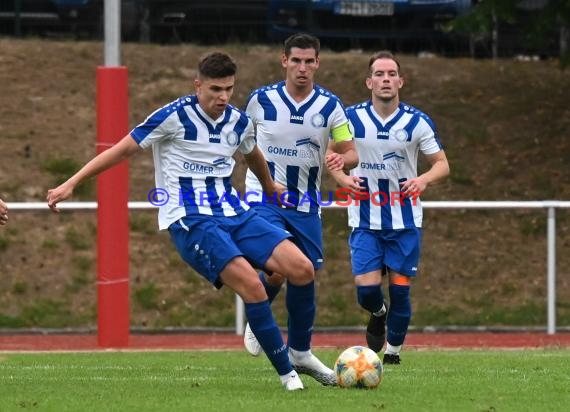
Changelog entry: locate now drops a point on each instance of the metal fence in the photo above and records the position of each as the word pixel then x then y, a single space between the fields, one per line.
pixel 550 207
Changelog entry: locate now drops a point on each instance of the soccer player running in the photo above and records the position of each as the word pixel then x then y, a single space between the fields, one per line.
pixel 193 140
pixel 295 121
pixel 386 224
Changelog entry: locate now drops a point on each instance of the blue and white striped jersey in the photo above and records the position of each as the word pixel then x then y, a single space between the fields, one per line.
pixel 388 153
pixel 193 158
pixel 294 137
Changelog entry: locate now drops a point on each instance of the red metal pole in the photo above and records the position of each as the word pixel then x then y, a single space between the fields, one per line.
pixel 112 211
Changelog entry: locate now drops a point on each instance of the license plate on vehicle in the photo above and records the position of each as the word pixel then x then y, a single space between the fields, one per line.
pixel 354 8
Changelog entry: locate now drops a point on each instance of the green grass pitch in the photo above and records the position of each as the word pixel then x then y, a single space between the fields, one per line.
pixel 439 380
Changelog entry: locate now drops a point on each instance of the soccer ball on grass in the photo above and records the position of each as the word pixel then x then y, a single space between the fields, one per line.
pixel 358 367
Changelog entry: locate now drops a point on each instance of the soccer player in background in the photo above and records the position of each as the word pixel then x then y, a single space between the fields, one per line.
pixel 193 141
pixel 295 119
pixel 3 213
pixel 386 224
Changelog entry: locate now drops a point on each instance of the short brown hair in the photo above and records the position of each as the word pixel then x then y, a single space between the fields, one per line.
pixel 382 54
pixel 216 65
pixel 302 41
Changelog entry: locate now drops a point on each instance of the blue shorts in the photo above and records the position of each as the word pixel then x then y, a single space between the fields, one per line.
pixel 306 228
pixel 398 249
pixel 209 243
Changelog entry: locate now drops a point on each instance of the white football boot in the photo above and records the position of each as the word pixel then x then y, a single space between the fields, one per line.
pixel 308 364
pixel 250 342
pixel 291 381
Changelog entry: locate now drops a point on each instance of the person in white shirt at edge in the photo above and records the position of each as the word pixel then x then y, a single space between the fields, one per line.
pixel 386 221
pixel 296 120
pixel 193 140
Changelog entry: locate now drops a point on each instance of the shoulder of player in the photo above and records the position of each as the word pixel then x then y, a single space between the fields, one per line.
pixel 327 93
pixel 266 88
pixel 414 111
pixel 172 107
pixel 236 111
pixel 254 95
pixel 355 107
pixel 181 102
pixel 239 115
pixel 167 113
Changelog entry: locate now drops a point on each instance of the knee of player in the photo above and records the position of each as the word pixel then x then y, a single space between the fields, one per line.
pixel 307 270
pixel 370 297
pixel 301 271
pixel 252 290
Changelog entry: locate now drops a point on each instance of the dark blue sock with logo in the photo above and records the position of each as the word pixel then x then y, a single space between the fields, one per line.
pixel 399 314
pixel 301 306
pixel 268 335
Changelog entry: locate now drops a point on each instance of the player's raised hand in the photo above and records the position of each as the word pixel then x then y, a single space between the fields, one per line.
pixel 281 193
pixel 3 213
pixel 349 185
pixel 59 194
pixel 334 161
pixel 414 186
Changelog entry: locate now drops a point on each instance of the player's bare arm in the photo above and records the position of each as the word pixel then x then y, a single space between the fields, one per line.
pixel 345 181
pixel 341 151
pixel 346 152
pixel 340 177
pixel 438 171
pixel 341 155
pixel 125 148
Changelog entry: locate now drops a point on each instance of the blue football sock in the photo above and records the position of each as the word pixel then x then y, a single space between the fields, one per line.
pixel 370 297
pixel 268 335
pixel 399 314
pixel 300 301
pixel 272 291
